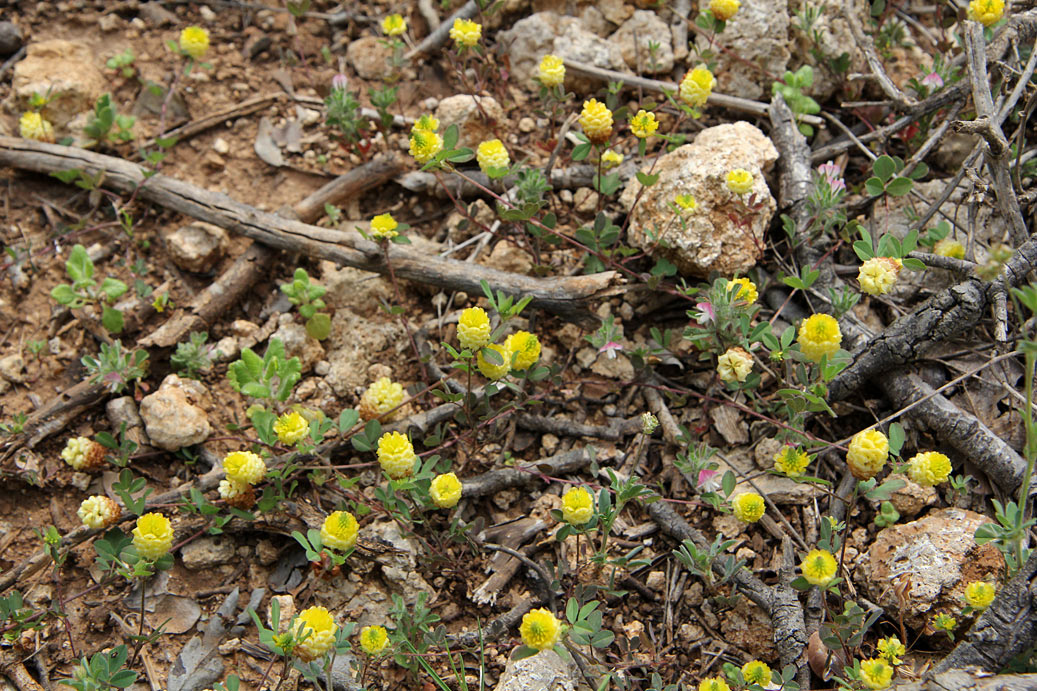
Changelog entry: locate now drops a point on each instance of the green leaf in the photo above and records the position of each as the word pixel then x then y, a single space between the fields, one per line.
pixel 112 319
pixel 900 186
pixel 863 250
pixel 319 326
pixel 450 137
pixel 64 294
pixel 884 167
pixel 874 187
pixel 647 180
pixel 346 419
pixel 79 266
pixel 255 390
pixel 113 288
pixel 581 151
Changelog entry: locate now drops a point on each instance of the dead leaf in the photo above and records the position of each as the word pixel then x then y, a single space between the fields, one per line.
pixel 265 147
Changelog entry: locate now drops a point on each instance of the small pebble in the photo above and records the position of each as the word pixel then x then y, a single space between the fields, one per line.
pixel 207 14
pixel 221 146
pixel 527 125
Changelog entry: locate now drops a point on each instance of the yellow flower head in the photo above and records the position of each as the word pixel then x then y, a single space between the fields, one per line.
pixel 379 398
pixel 819 567
pixel 98 512
pixel 577 506
pixel 734 365
pixel 83 454
pixel 696 86
pixel 929 468
pixel 32 125
pixel 424 145
pixel 445 490
pixel 244 466
pixel 867 453
pixel 748 507
pixel 492 154
pixel 890 649
pixel 740 181
pixel 714 684
pixel 610 159
pixel 394 25
pixel 791 461
pixel 949 247
pixel 944 622
pixel 756 672
pixel 986 12
pixel 596 121
pixel 649 423
pixel 473 328
pixel 686 202
pixel 465 33
pixel 490 370
pixel 153 536
pixel 237 494
pixel 552 71
pixel 194 40
pixel 384 226
pixel 876 673
pixel 878 274
pixel 291 427
pixel 321 628
pixel 979 594
pixel 746 291
pixel 396 455
pixel 540 629
pixel 524 348
pixel 339 531
pixel 373 639
pixel 644 124
pixel 427 122
pixel 819 335
pixel 724 9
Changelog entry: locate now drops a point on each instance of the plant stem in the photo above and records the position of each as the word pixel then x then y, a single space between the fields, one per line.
pixel 140 631
pixel 1031 446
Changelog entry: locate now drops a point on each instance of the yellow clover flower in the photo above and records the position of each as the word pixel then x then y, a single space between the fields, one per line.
pixel 237 494
pixel 32 125
pixel 724 10
pixel 929 468
pixel 739 181
pixel 339 531
pixel 424 145
pixel 291 427
pixel 577 506
pixel 819 567
pixel 948 247
pixel 540 629
pixel 394 25
pixel 611 159
pixel 734 365
pixel 465 33
pixel 890 649
pixel 696 86
pixel 473 328
pixel 979 594
pixel 383 226
pixel 876 673
pixel 445 490
pixel 379 398
pixel 98 512
pixel 427 122
pixel 714 684
pixel 748 507
pixel 878 274
pixel 524 348
pixel 153 536
pixel 83 454
pixel 321 628
pixel 686 202
pixel 490 370
pixel 194 40
pixel 746 289
pixel 396 455
pixel 819 335
pixel 596 121
pixel 867 453
pixel 791 461
pixel 552 71
pixel 373 639
pixel 756 672
pixel 244 466
pixel 986 12
pixel 492 154
pixel 644 124
pixel 944 622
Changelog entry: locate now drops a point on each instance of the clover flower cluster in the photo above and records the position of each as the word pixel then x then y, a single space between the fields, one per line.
pixel 153 536
pixel 379 398
pixel 577 506
pixel 32 125
pixel 551 72
pixel 339 531
pixel 314 630
pixel 194 41
pixel 99 512
pixel 243 469
pixel 291 428
pixel 878 274
pixel 83 454
pixel 425 142
pixel 867 453
pixel 819 336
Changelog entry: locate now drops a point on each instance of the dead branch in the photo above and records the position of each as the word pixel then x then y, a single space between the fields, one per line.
pixel 440 33
pixel 349 185
pixel 527 474
pixel 615 430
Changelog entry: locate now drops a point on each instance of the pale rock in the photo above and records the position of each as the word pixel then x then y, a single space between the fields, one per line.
pixel 321 368
pixel 221 146
pixel 594 21
pixel 266 552
pixel 549 442
pixel 243 328
pixel 214 161
pixel 108 22
pixel 172 416
pixel 760 31
pixel 66 70
pixel 359 291
pixel 729 423
pixel 911 499
pixel 834 39
pixel 206 13
pixel 727 525
pixel 690 633
pixel 916 569
pixel 545 671
pixel 155 14
pixel 370 58
pixel 585 201
pixel 197 247
pixel 645 27
pixel 470 114
pixel 618 367
pixel 123 411
pixel 353 345
pixel 506 257
pixel 526 125
pixel 307 116
pixel 207 552
pixel 228 348
pixel 656 581
pixel 12 368
pixel 399 567
pixel 616 11
pixel 298 343
pixel 229 647
pixel 711 242
pixel 529 39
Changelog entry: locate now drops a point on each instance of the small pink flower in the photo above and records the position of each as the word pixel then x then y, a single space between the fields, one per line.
pixel 706 313
pixel 611 347
pixel 339 82
pixel 932 80
pixel 709 480
pixel 831 173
